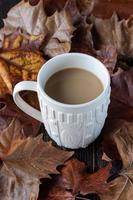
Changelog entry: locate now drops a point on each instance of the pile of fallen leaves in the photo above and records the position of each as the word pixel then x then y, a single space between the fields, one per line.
pixel 31 169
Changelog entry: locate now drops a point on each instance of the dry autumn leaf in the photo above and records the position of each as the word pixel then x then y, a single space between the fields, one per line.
pixel 82 40
pixel 17 186
pixel 30 19
pixel 73 180
pixel 123 138
pixel 18 40
pixel 84 43
pixel 123 36
pixel 108 55
pixel 25 161
pixel 114 32
pixel 118 140
pixel 54 189
pixel 10 137
pixel 78 180
pixel 29 154
pixel 121 188
pixel 104 30
pixel 60 31
pixel 18 65
pixel 122 87
pixel 79 10
pixel 53 34
pixel 9 111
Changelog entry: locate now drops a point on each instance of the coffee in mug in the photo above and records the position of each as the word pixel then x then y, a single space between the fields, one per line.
pixel 73 86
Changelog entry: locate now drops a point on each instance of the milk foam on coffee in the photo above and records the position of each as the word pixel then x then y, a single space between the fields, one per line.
pixel 73 86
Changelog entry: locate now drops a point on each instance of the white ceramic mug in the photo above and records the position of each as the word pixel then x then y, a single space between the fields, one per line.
pixel 71 126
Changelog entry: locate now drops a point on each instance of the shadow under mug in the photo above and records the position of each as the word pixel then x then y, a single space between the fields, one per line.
pixel 70 126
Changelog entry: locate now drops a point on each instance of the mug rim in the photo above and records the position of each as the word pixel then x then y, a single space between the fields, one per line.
pixel 72 105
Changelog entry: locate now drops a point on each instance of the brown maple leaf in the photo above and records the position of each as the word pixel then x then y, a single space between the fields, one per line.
pixel 74 179
pixel 111 31
pixel 31 155
pixel 118 141
pixel 25 161
pixel 121 188
pixel 78 180
pixel 35 157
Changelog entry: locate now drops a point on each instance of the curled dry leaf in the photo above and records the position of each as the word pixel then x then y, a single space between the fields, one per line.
pixel 12 185
pixel 104 30
pixel 78 180
pixel 72 8
pixel 120 133
pixel 118 141
pixel 17 65
pixel 60 31
pixel 123 36
pixel 25 161
pixel 84 43
pixel 114 32
pixel 73 180
pixel 28 28
pixel 30 19
pixel 123 138
pixel 121 188
pixel 79 10
pixel 21 41
pixel 82 40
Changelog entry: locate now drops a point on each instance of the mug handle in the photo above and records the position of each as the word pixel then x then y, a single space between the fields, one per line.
pixel 25 107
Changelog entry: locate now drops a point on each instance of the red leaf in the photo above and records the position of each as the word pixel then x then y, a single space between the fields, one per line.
pixel 77 179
